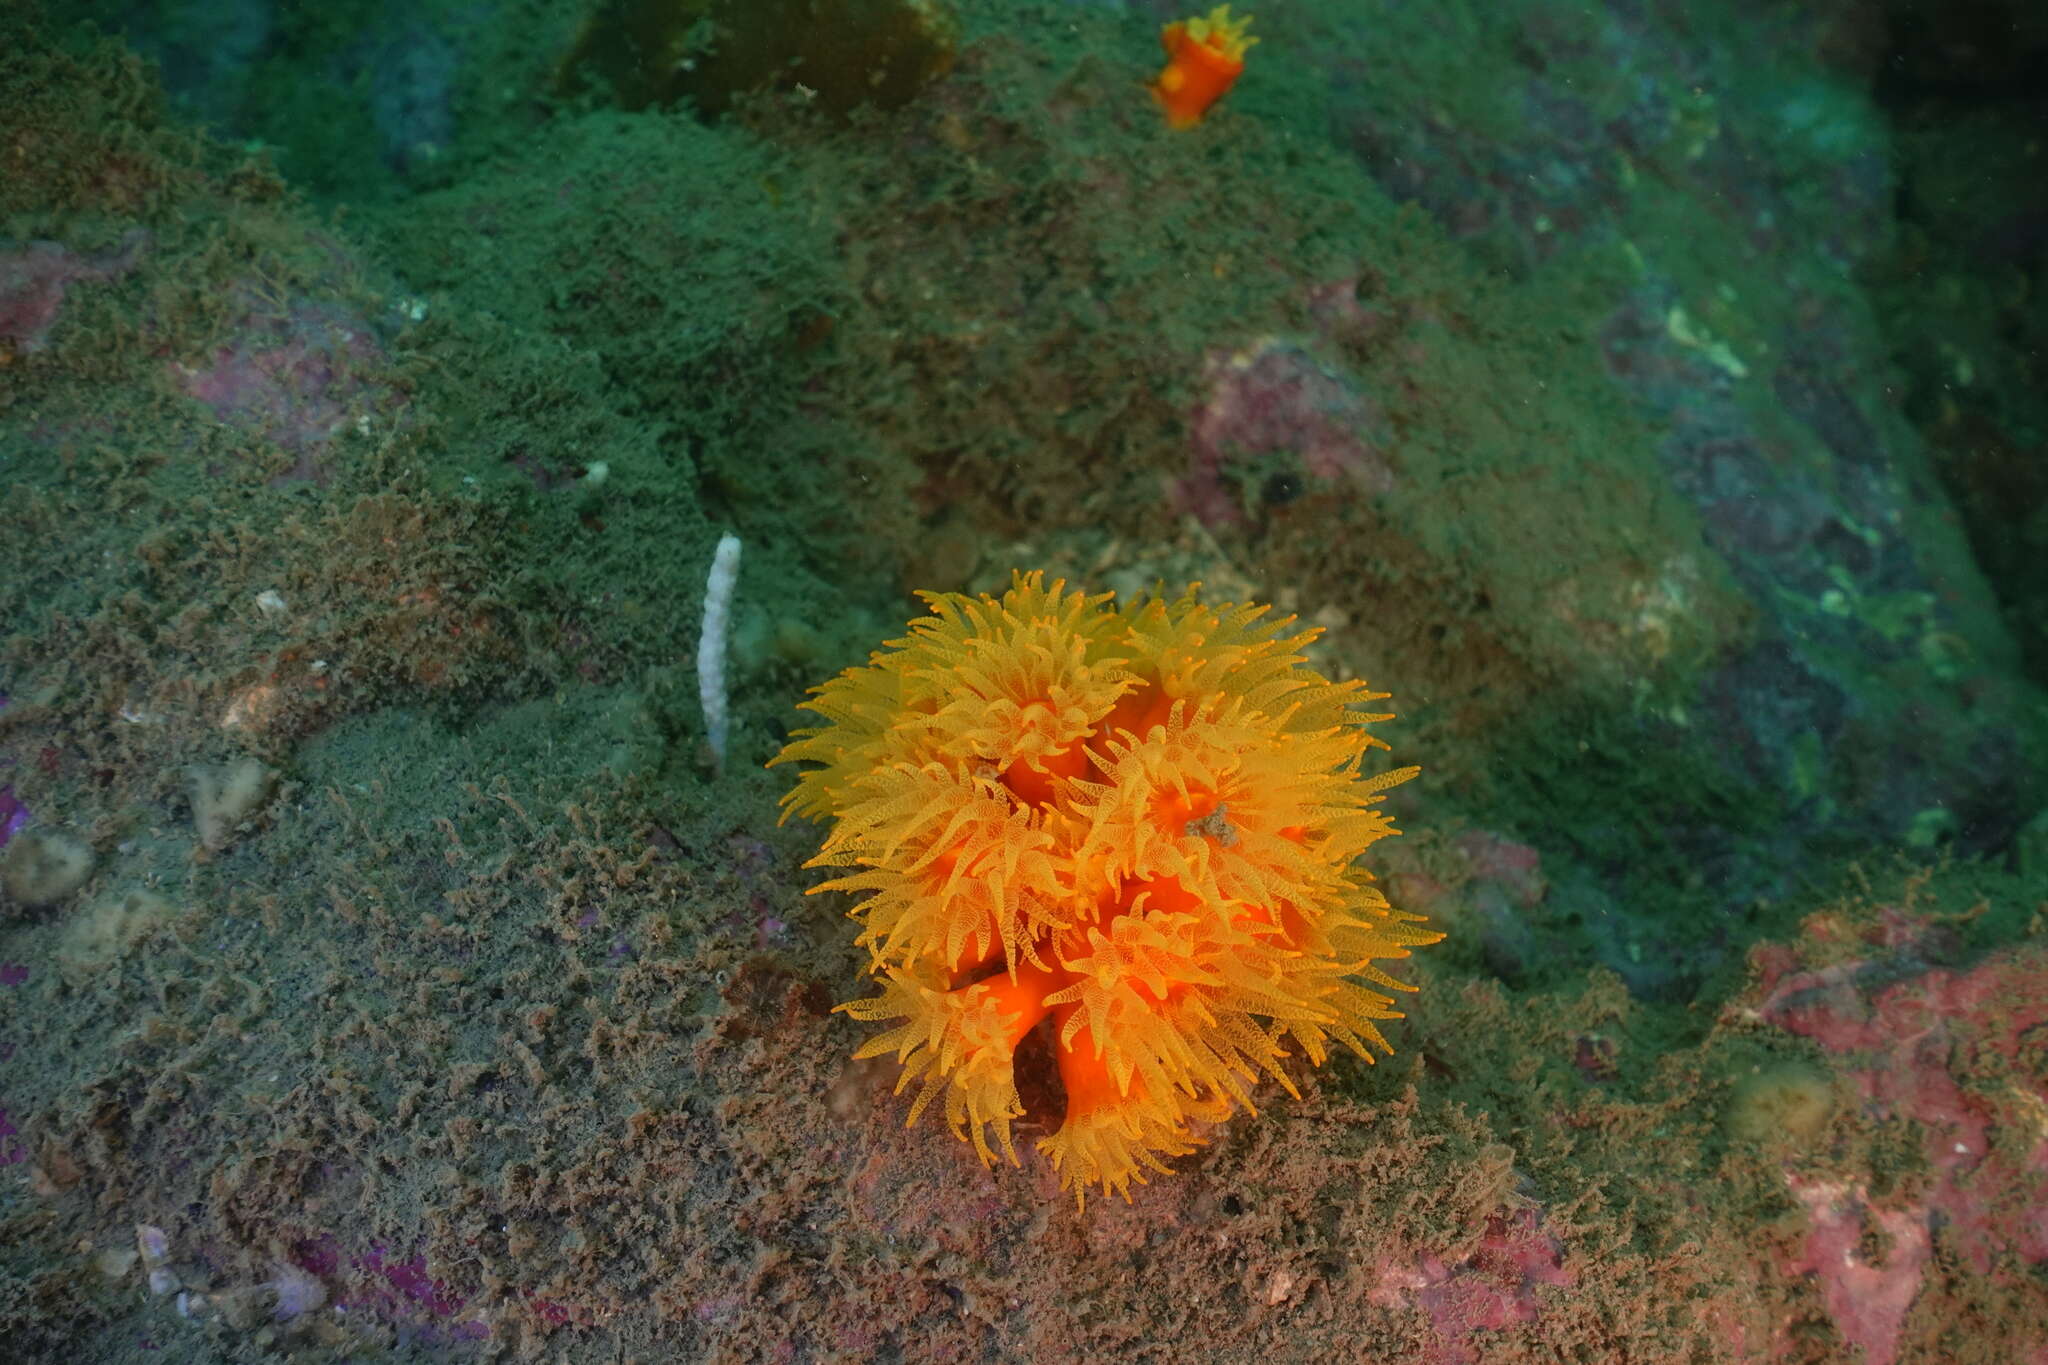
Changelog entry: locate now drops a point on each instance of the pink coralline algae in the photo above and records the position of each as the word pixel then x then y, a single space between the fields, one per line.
pixel 1517 869
pixel 296 377
pixel 1495 1287
pixel 1866 1296
pixel 1954 1055
pixel 1273 404
pixel 35 275
pixel 1489 897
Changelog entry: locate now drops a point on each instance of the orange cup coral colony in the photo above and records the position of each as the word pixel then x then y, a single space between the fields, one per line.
pixel 1141 823
pixel 1204 58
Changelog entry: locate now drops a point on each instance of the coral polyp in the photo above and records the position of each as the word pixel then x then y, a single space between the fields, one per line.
pixel 1141 823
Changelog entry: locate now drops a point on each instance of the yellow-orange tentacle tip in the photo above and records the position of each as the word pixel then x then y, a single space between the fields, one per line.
pixel 1130 836
pixel 1204 58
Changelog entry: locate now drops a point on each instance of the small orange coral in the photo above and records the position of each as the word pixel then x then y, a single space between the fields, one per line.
pixel 1142 823
pixel 1204 58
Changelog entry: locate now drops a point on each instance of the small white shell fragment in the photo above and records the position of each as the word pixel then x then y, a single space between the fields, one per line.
pixel 155 1249
pixel 152 1245
pixel 271 602
pixel 298 1290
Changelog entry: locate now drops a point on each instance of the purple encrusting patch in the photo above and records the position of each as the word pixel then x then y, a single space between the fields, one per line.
pixel 12 1152
pixel 13 815
pixel 401 1292
pixel 319 1256
pixel 409 1283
